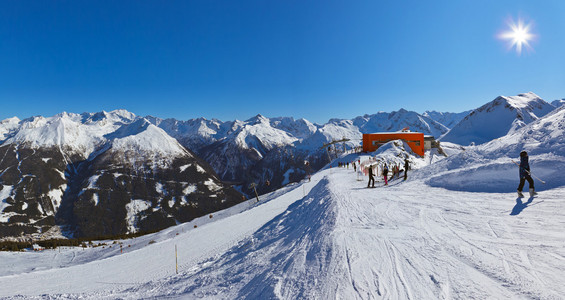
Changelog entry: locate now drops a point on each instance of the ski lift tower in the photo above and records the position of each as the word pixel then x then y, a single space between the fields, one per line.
pixel 252 186
pixel 343 140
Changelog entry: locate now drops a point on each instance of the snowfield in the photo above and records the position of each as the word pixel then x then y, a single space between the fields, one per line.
pixel 330 238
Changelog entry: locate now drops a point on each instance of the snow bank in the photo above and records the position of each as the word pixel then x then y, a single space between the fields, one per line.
pixel 489 167
pixel 293 242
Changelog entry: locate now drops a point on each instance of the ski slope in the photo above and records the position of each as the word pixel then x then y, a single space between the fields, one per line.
pixel 330 238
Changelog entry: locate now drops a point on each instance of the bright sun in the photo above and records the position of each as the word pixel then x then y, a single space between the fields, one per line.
pixel 519 35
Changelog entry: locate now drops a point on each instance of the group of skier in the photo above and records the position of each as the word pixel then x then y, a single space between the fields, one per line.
pixel 385 170
pixel 525 174
pixel 354 164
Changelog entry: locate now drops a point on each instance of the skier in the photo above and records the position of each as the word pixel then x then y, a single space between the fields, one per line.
pixel 385 174
pixel 354 166
pixel 371 177
pixel 525 175
pixel 406 165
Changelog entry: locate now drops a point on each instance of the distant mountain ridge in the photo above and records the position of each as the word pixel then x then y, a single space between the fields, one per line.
pixel 274 150
pixel 503 115
pixel 100 174
pixel 448 119
pixel 558 103
pixel 72 169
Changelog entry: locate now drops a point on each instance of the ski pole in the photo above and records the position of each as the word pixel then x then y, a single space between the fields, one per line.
pixel 529 173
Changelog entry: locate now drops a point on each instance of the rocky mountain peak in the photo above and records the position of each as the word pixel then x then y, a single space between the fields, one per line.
pixel 497 118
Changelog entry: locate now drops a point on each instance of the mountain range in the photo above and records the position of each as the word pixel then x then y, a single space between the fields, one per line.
pixel 454 229
pixel 100 174
pixel 109 173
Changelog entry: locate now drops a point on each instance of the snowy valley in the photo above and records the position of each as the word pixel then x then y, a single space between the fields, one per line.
pixel 454 230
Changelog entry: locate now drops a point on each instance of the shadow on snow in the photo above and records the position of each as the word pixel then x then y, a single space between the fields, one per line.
pixel 520 206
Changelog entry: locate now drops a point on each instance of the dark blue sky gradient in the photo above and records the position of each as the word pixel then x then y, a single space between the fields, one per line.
pixel 235 59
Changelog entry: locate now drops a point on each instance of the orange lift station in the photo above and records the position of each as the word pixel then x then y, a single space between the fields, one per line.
pixel 372 141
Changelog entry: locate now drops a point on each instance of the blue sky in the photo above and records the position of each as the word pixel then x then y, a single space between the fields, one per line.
pixel 306 59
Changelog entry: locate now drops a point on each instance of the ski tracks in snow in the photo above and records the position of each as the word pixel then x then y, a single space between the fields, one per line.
pixel 408 241
pixel 430 244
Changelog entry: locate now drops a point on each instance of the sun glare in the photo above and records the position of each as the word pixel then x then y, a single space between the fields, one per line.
pixel 519 36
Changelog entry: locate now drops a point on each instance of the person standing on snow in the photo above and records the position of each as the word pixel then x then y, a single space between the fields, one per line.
pixel 406 166
pixel 371 177
pixel 525 175
pixel 385 174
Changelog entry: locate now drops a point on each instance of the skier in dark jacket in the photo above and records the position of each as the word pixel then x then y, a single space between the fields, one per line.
pixel 406 166
pixel 385 174
pixel 371 177
pixel 525 175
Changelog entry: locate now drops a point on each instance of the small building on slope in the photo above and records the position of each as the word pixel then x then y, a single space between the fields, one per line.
pixel 372 141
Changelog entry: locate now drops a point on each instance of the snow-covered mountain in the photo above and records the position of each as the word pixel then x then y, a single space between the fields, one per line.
pixel 260 150
pixel 7 126
pixel 497 118
pixel 448 119
pixel 97 174
pixel 396 121
pixel 558 102
pixel 77 152
pixel 545 135
pixel 274 149
pixel 195 132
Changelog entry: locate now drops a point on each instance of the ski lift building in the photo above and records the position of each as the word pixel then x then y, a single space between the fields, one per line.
pixel 372 141
pixel 430 142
